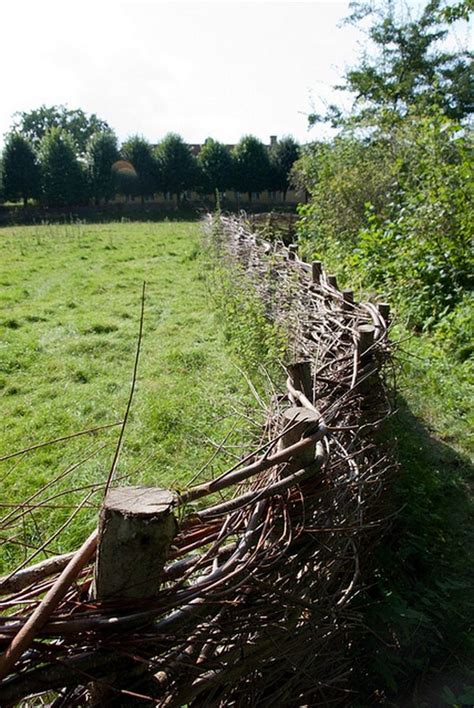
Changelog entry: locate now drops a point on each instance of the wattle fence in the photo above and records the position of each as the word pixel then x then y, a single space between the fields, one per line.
pixel 238 591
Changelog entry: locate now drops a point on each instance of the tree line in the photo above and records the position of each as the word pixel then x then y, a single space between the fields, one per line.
pixel 60 157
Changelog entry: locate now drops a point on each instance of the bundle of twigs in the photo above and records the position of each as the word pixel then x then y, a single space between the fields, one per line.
pixel 255 600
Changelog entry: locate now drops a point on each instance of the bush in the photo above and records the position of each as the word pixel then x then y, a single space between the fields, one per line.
pixel 394 209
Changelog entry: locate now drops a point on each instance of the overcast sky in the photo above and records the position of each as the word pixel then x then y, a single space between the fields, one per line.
pixel 220 69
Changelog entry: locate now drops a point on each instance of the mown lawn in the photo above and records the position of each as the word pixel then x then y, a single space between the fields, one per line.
pixel 69 318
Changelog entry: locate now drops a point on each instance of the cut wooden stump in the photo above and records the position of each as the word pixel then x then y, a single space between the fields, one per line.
pixel 301 422
pixel 300 377
pixel 136 529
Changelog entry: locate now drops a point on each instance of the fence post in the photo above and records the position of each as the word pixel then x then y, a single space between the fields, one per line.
pixel 366 336
pixel 300 421
pixel 316 271
pixel 300 377
pixel 332 281
pixel 136 528
pixel 292 251
pixel 347 299
pixel 384 312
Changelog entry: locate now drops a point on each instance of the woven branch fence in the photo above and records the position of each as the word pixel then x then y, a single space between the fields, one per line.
pixel 246 599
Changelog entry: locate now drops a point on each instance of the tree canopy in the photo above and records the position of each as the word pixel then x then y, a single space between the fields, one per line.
pixel 21 174
pixel 252 165
pixel 63 179
pixel 177 165
pixel 139 153
pixel 283 154
pixel 216 167
pixel 102 153
pixel 81 126
pixel 406 61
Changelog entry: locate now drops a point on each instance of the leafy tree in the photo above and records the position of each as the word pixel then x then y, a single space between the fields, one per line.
pixel 177 165
pixel 21 175
pixel 252 165
pixel 216 167
pixel 394 210
pixel 283 154
pixel 459 11
pixel 63 178
pixel 409 65
pixel 102 153
pixel 2 193
pixel 139 153
pixel 35 124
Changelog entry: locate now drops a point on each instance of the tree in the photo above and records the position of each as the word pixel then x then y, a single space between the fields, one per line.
pixel 177 165
pixel 63 178
pixel 35 124
pixel 139 153
pixel 102 153
pixel 216 167
pixel 283 155
pixel 2 193
pixel 409 65
pixel 21 175
pixel 252 165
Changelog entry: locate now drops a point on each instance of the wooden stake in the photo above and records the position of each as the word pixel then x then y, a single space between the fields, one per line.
pixel 300 377
pixel 316 271
pixel 365 340
pixel 136 529
pixel 348 299
pixel 302 420
pixel 384 311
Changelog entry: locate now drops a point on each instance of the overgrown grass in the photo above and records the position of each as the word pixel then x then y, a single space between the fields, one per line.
pixel 69 324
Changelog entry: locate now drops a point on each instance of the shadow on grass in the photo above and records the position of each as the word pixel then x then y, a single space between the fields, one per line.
pixel 113 212
pixel 420 649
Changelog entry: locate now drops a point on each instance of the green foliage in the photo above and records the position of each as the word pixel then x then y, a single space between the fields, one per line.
pixel 36 123
pixel 459 11
pixel 216 167
pixel 259 342
pixel 405 63
pixel 283 154
pixel 177 165
pixel 249 331
pixel 63 177
pixel 21 174
pixel 395 211
pixel 139 153
pixel 252 165
pixel 102 152
pixel 341 180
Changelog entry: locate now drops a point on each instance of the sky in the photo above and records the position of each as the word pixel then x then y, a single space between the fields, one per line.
pixel 222 69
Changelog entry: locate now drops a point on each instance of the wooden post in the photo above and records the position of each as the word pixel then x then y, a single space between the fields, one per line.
pixel 316 271
pixel 136 529
pixel 292 251
pixel 300 377
pixel 384 312
pixel 347 299
pixel 366 335
pixel 301 421
pixel 332 281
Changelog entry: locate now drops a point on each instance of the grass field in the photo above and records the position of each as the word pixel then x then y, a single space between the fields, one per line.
pixel 70 307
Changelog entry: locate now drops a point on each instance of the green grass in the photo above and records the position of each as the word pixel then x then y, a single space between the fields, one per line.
pixel 68 333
